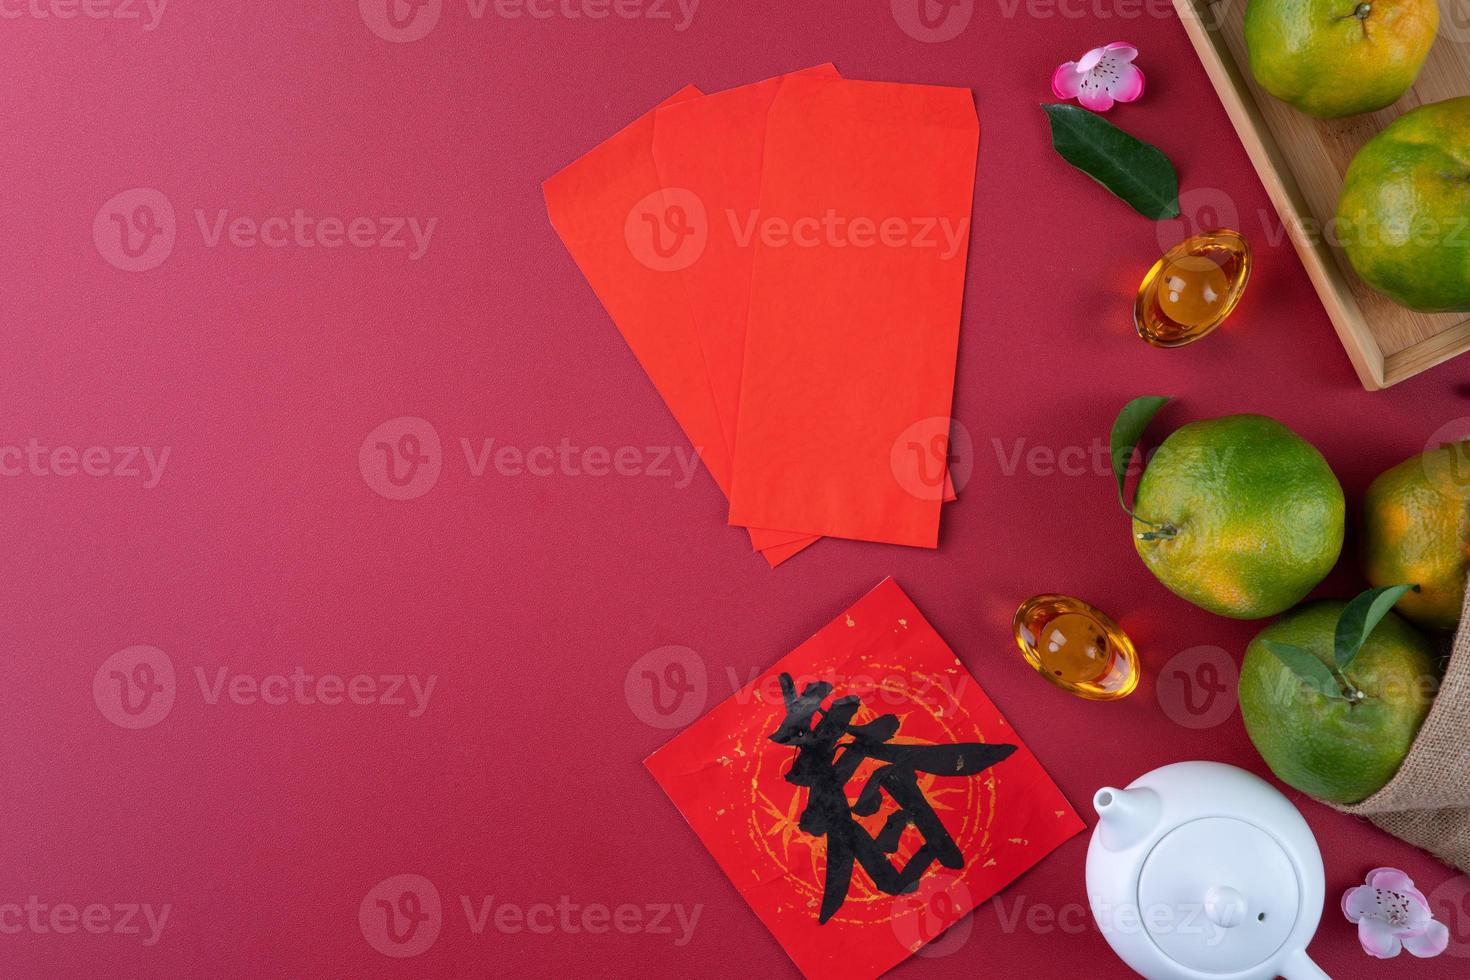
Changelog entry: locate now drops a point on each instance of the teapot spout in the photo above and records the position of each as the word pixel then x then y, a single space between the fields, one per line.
pixel 1125 816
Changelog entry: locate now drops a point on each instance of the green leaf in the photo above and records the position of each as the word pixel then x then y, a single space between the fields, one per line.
pixel 1361 617
pixel 1127 430
pixel 1313 672
pixel 1134 170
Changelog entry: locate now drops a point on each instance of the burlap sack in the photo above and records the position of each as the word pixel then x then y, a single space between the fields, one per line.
pixel 1428 802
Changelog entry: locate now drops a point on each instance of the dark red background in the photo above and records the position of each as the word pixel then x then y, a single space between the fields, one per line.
pixel 264 549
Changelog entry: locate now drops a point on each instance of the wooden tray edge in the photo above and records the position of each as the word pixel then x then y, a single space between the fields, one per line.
pixel 1426 354
pixel 1281 186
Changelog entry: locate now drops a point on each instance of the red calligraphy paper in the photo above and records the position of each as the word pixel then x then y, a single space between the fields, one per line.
pixel 752 779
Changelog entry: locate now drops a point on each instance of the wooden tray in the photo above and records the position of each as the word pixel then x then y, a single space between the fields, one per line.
pixel 1302 162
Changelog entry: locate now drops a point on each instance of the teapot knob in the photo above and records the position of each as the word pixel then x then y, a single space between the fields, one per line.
pixel 1225 906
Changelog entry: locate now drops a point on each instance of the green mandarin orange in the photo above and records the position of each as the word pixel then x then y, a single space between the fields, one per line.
pixel 1404 214
pixel 1239 515
pixel 1333 58
pixel 1416 531
pixel 1330 748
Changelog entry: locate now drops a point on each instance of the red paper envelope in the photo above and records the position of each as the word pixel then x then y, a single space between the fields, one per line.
pixel 856 295
pixel 712 148
pixel 607 208
pixel 863 794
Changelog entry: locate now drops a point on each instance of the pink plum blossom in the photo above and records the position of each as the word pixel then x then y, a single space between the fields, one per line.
pixel 1101 77
pixel 1392 914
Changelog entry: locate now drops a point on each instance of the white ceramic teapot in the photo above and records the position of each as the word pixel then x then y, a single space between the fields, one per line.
pixel 1202 871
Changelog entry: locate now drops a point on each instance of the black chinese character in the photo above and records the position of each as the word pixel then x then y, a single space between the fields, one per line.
pixel 829 754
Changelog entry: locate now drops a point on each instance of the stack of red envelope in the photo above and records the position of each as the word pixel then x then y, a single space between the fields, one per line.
pixel 787 262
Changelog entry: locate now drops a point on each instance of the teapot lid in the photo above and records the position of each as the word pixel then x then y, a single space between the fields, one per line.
pixel 1218 895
